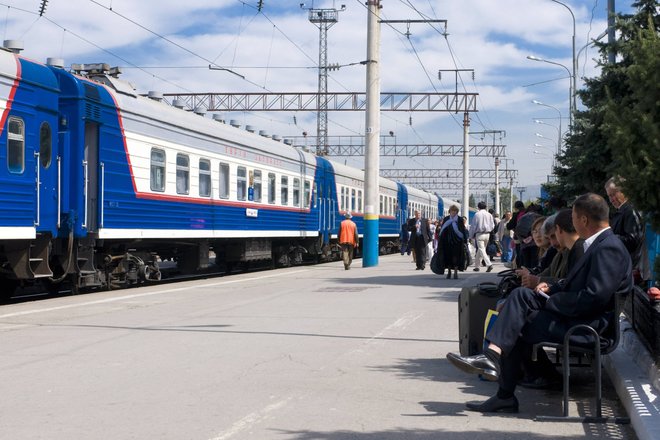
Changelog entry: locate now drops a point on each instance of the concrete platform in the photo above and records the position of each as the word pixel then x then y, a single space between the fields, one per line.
pixel 297 354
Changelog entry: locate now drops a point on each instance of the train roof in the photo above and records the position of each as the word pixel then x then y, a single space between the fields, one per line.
pixel 157 113
pixel 13 67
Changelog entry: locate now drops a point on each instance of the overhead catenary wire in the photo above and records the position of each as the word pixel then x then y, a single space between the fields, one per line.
pixel 149 70
pixel 453 57
pixel 174 43
pixel 91 43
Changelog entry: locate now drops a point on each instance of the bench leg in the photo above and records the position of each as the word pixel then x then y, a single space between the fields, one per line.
pixel 566 365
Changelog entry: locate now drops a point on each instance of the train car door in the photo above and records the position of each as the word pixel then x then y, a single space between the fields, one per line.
pixel 91 176
pixel 48 174
pixel 402 204
pixel 325 197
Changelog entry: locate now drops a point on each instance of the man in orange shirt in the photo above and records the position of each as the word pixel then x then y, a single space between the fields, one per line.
pixel 348 240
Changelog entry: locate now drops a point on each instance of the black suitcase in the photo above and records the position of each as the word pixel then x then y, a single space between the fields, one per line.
pixel 473 305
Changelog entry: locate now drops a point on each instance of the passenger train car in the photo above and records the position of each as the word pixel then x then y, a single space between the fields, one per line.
pixel 99 184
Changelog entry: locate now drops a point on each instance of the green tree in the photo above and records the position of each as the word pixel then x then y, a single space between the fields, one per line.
pixel 505 197
pixel 632 123
pixel 591 155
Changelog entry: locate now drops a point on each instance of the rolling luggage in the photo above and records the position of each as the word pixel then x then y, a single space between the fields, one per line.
pixel 473 305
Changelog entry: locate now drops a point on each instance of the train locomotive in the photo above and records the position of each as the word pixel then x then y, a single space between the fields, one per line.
pixel 100 185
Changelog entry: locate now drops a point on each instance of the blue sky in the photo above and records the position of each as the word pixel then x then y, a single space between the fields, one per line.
pixel 277 50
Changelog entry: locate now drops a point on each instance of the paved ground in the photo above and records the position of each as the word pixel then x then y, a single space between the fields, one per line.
pixel 298 354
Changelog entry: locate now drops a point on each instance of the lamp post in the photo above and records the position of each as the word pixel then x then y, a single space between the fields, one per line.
pixel 571 85
pixel 534 101
pixel 574 59
pixel 549 150
pixel 549 139
pixel 545 148
pixel 538 121
pixel 590 43
pixel 506 161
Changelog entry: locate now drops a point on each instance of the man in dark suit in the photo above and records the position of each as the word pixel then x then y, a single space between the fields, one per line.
pixel 628 225
pixel 585 296
pixel 420 235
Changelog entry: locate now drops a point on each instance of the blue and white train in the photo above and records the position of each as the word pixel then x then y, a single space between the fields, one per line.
pixel 99 184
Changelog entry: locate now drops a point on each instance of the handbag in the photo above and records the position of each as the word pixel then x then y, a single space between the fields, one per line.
pixel 467 256
pixel 509 281
pixel 437 263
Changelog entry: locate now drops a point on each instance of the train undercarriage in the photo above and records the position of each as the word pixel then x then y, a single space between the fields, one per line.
pixel 85 264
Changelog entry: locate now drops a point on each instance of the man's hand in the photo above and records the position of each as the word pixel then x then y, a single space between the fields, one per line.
pixel 529 280
pixel 542 287
pixel 522 272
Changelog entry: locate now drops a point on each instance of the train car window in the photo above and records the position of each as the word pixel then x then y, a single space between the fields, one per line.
pixel 359 200
pixel 182 174
pixel 204 178
pixel 341 199
pixel 296 192
pixel 344 205
pixel 307 193
pixel 271 188
pixel 16 145
pixel 224 181
pixel 157 175
pixel 256 185
pixel 381 205
pixel 353 200
pixel 241 183
pixel 45 144
pixel 284 190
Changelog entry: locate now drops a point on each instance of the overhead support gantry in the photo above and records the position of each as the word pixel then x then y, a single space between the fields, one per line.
pixel 336 101
pixel 413 173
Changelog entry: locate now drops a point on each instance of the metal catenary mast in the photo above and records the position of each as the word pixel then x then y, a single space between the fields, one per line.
pixel 324 19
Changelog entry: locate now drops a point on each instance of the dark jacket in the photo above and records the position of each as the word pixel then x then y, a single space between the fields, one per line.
pixel 589 288
pixel 425 236
pixel 452 247
pixel 627 224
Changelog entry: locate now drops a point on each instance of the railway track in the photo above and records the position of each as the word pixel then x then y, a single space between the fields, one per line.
pixel 170 275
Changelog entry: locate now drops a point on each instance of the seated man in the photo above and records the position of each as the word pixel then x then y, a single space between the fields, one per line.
pixel 528 317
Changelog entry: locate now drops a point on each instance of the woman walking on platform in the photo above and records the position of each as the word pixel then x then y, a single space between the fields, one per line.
pixel 453 240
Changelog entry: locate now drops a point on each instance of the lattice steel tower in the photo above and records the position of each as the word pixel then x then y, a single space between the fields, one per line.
pixel 324 19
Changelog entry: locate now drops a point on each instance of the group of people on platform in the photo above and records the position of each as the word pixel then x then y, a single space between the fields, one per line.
pixel 572 264
pixel 524 240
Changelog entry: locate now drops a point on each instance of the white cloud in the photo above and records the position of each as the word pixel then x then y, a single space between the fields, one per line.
pixel 491 37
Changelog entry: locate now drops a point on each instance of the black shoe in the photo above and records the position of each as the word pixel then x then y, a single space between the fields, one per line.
pixel 476 269
pixel 417 268
pixel 489 268
pixel 495 404
pixel 541 382
pixel 478 364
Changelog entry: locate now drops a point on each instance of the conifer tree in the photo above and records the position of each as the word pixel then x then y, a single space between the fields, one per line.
pixel 617 133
